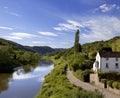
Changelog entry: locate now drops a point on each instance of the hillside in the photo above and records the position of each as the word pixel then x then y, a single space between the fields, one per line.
pixel 16 46
pixel 43 49
pixel 114 43
pixel 39 49
pixel 92 48
pixel 13 55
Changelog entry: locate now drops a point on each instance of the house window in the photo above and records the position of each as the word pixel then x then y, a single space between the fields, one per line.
pixel 116 59
pixel 116 65
pixel 107 59
pixel 107 66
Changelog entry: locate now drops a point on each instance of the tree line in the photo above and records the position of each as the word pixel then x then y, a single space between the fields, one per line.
pixel 11 58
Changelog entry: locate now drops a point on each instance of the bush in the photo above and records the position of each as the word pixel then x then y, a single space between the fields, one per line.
pixel 103 80
pixel 115 76
pixel 83 75
pixel 116 85
pixel 109 83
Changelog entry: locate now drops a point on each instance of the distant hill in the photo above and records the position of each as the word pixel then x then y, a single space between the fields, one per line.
pixel 92 48
pixel 114 43
pixel 40 49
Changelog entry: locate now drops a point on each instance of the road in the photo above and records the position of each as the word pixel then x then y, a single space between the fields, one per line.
pixel 89 87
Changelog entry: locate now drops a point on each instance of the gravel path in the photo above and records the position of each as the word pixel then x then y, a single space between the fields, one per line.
pixel 88 86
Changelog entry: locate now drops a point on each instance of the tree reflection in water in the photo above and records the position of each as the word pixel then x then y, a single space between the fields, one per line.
pixel 4 79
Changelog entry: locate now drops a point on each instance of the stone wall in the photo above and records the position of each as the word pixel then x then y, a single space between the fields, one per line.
pixel 94 79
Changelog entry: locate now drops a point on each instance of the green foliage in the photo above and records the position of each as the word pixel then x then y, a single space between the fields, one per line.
pixel 94 47
pixel 116 85
pixel 11 57
pixel 111 78
pixel 92 55
pixel 56 85
pixel 115 76
pixel 109 83
pixel 83 75
pixel 79 61
pixel 77 46
pixel 103 80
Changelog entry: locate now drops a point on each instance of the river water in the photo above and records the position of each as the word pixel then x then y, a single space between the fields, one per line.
pixel 25 82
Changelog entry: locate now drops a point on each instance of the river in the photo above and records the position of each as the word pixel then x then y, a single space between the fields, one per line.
pixel 25 82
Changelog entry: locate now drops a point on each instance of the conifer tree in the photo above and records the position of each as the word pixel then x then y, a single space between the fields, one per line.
pixel 77 46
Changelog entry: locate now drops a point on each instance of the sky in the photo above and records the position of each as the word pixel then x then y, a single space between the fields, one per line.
pixel 54 22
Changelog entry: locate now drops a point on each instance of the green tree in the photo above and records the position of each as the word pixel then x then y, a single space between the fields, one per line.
pixel 77 46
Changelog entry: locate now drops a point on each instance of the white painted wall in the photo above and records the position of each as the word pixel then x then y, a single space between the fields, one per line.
pixel 102 64
pixel 111 64
pixel 96 65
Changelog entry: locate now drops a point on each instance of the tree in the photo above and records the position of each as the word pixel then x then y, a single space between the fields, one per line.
pixel 77 46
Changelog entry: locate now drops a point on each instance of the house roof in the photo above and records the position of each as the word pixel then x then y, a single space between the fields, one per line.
pixel 109 54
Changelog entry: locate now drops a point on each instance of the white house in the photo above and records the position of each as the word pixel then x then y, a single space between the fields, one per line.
pixel 107 61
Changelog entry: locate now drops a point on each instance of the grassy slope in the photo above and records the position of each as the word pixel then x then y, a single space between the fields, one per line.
pixel 56 85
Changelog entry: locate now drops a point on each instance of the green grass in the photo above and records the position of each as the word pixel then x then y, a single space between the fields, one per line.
pixel 56 85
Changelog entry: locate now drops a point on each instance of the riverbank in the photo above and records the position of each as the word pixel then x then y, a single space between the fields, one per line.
pixel 57 85
pixel 24 82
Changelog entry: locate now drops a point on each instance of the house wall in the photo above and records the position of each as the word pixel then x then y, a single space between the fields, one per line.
pixel 98 59
pixel 102 64
pixel 111 64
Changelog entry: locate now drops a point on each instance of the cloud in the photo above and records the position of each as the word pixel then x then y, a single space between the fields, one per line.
pixel 100 28
pixel 48 33
pixel 107 7
pixel 20 35
pixel 13 37
pixel 6 28
pixel 93 28
pixel 15 14
pixel 70 25
pixel 5 7
pixel 41 42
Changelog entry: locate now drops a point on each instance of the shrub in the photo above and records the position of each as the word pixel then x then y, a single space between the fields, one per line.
pixel 109 83
pixel 83 75
pixel 110 76
pixel 116 85
pixel 103 80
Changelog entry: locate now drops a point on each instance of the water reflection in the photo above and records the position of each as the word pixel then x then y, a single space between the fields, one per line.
pixel 37 72
pixel 25 82
pixel 4 79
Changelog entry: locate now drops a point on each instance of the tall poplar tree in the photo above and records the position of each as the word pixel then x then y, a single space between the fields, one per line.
pixel 77 46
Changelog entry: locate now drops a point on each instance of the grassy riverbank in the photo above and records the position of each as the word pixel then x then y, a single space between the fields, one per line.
pixel 56 85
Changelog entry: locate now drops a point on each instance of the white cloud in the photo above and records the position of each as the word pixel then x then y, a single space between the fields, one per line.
pixel 5 7
pixel 20 35
pixel 13 37
pixel 107 7
pixel 14 14
pixel 93 28
pixel 6 28
pixel 70 25
pixel 23 35
pixel 101 28
pixel 41 42
pixel 48 33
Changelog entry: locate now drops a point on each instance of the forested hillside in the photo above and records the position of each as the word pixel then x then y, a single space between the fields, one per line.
pixel 92 48
pixel 13 55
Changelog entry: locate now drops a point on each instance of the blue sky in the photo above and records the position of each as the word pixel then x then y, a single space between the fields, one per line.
pixel 54 22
